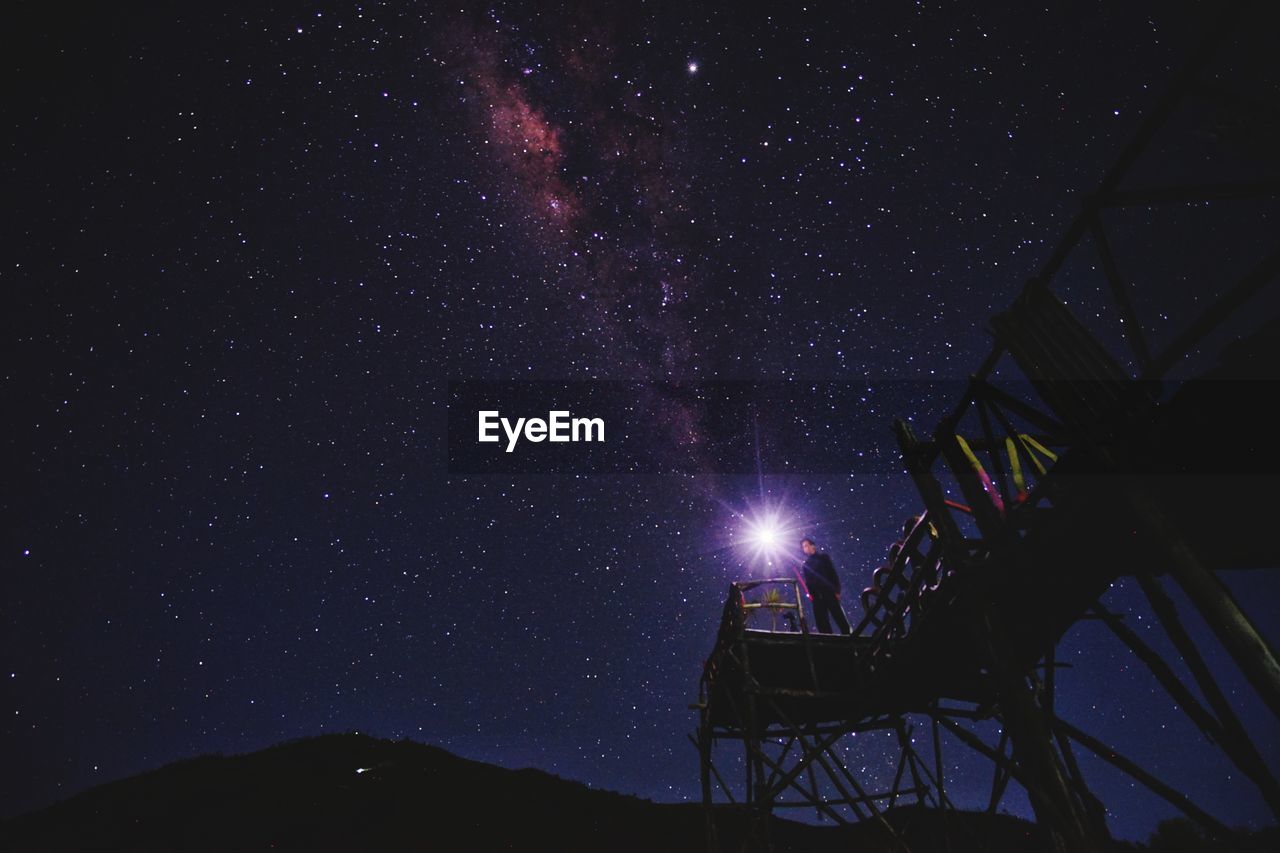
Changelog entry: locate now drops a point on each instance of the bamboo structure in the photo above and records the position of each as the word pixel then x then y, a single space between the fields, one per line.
pixel 1036 501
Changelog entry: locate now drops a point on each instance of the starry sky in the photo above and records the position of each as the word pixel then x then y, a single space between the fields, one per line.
pixel 246 249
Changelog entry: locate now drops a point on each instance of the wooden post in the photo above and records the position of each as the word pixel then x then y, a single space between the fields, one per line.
pixel 984 511
pixel 1001 778
pixel 931 491
pixel 1163 674
pixel 1231 734
pixel 1052 797
pixel 1234 630
pixel 904 741
pixel 1118 761
pixel 938 769
pixel 1094 812
pixel 757 796
pixel 1132 328
pixel 704 760
pixel 897 779
pixel 1029 783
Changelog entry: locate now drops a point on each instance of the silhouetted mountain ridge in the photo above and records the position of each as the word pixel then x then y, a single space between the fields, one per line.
pixel 354 792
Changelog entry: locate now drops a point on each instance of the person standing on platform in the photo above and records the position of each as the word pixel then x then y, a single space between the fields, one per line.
pixel 824 588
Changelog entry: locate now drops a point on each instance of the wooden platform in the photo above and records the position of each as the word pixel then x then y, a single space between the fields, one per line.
pixel 1031 591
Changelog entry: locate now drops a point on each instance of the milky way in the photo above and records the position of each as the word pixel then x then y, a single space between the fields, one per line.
pixel 602 197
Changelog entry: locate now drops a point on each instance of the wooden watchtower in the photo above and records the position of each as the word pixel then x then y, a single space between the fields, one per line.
pixel 1068 466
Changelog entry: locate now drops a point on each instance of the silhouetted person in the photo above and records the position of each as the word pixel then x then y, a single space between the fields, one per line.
pixel 824 588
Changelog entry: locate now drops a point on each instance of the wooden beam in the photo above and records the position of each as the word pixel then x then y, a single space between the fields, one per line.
pixel 1027 412
pixel 1128 317
pixel 1233 299
pixel 1173 95
pixel 1163 673
pixel 1000 779
pixel 1231 733
pixel 975 743
pixel 1234 630
pixel 1164 791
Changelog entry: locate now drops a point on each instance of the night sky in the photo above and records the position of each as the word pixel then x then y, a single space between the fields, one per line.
pixel 246 249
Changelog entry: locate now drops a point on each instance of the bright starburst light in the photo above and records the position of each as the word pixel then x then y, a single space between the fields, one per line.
pixel 768 535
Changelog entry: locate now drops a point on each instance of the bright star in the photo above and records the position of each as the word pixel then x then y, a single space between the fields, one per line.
pixel 693 68
pixel 766 534
pixel 763 533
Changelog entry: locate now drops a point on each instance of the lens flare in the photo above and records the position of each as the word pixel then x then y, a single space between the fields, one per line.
pixel 768 535
pixel 763 533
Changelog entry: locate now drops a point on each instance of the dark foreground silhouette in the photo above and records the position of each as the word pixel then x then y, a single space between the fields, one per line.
pixel 307 795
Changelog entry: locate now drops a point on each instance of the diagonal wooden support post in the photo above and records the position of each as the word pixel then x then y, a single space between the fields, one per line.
pixel 1118 761
pixel 1234 630
pixel 1056 805
pixel 1231 734
pixel 904 742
